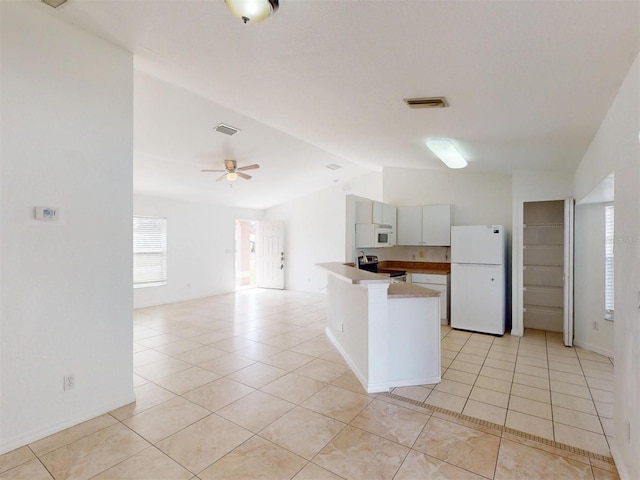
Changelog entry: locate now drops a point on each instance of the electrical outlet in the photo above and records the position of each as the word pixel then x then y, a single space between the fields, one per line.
pixel 342 327
pixel 595 325
pixel 69 382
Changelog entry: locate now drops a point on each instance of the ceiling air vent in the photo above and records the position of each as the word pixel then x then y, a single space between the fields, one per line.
pixel 54 3
pixel 333 166
pixel 427 102
pixel 227 129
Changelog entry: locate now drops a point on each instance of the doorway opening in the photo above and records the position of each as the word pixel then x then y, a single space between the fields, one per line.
pixel 543 275
pixel 547 267
pixel 245 259
pixel 259 254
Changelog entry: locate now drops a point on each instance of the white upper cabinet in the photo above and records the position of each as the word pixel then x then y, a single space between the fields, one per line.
pixel 377 212
pixel 436 225
pixel 369 211
pixel 428 225
pixel 409 226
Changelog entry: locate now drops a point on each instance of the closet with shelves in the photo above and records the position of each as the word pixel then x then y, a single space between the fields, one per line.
pixel 544 268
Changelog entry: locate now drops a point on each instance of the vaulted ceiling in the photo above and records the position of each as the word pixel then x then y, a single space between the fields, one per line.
pixel 323 81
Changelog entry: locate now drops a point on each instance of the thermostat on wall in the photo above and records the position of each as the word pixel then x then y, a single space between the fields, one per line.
pixel 46 213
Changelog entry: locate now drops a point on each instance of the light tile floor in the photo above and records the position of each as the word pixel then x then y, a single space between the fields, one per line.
pixel 247 386
pixel 533 384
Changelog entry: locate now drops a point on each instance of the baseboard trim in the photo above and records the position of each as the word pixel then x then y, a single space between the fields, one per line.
pixel 592 348
pixel 10 444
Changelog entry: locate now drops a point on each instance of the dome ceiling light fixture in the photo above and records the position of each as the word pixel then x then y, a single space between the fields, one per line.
pixel 252 11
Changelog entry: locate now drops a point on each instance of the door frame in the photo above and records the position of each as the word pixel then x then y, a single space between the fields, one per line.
pixel 517 256
pixel 261 280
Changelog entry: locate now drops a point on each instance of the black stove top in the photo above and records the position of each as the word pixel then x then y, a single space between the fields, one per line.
pixel 370 264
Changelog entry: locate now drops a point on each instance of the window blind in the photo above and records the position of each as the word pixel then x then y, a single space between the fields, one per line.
pixel 609 272
pixel 149 251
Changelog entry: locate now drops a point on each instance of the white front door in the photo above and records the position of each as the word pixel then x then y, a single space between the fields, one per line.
pixel 270 254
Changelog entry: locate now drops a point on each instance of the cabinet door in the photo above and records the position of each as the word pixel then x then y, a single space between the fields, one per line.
pixel 363 211
pixel 378 213
pixel 409 226
pixel 389 215
pixel 436 225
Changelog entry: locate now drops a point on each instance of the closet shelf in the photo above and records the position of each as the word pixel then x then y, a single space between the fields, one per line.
pixel 552 225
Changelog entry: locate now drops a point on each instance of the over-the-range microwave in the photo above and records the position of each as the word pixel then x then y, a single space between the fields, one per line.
pixel 374 235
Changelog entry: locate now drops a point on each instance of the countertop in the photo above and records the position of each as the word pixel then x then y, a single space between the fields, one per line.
pixel 438 268
pixel 408 290
pixel 354 275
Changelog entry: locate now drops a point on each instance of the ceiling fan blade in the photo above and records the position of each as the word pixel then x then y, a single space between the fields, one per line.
pixel 249 167
pixel 244 175
pixel 222 177
pixel 213 170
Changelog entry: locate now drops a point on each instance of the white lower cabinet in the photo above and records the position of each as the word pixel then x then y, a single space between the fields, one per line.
pixel 440 283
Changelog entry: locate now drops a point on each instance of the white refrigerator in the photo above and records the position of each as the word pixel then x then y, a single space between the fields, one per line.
pixel 478 271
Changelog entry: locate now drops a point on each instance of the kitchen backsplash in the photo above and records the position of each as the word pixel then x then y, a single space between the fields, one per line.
pixel 412 254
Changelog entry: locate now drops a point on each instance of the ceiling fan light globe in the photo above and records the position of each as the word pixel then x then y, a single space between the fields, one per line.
pixel 252 11
pixel 232 176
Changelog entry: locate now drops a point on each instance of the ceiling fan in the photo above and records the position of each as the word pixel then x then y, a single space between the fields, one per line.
pixel 232 172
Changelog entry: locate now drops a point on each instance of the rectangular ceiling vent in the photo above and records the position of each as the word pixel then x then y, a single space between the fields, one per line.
pixel 427 102
pixel 333 166
pixel 227 129
pixel 54 3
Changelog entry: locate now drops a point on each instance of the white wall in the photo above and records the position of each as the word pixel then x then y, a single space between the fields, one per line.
pixel 616 148
pixel 530 186
pixel 477 198
pixel 315 230
pixel 200 249
pixel 65 304
pixel 588 285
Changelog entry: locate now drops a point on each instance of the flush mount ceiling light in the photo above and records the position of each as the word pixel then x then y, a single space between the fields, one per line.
pixel 447 152
pixel 252 11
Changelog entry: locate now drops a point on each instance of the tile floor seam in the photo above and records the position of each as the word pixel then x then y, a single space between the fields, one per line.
pixel 503 429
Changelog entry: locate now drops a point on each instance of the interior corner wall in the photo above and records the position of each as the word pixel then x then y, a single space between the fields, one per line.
pixel 591 330
pixel 616 148
pixel 200 248
pixel 66 141
pixel 314 230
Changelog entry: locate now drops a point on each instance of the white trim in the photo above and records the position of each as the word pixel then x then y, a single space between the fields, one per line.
pixel 567 321
pixel 593 348
pixel 618 458
pixel 356 371
pixel 30 437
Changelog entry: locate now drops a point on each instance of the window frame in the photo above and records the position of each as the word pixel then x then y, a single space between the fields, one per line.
pixel 149 248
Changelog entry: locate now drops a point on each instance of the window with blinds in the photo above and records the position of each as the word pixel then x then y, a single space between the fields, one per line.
pixel 608 268
pixel 149 251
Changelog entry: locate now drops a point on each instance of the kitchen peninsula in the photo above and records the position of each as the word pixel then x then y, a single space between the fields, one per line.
pixel 388 333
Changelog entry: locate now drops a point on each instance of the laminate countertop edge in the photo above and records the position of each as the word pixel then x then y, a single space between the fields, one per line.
pixel 353 275
pixel 356 276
